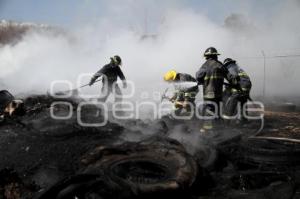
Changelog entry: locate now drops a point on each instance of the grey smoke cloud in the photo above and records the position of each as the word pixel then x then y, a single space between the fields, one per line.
pixel 177 38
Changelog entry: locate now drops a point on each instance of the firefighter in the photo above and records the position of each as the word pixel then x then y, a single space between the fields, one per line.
pixel 186 89
pixel 110 73
pixel 211 76
pixel 238 90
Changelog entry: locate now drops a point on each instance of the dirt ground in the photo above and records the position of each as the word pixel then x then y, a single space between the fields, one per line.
pixel 282 124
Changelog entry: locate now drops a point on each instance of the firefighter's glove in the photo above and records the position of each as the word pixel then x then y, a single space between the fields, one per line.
pixel 91 82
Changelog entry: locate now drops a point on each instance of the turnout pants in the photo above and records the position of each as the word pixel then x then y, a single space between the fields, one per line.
pixel 211 111
pixel 111 89
pixel 235 105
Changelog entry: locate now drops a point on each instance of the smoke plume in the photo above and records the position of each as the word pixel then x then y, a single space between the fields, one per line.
pixel 153 39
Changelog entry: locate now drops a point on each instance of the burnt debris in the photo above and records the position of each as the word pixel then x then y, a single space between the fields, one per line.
pixel 46 158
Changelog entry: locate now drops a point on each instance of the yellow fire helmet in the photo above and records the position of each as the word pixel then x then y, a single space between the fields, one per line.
pixel 170 75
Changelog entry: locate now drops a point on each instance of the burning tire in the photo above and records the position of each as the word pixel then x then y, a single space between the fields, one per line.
pixel 155 166
pixel 207 157
pixel 270 152
pixel 9 106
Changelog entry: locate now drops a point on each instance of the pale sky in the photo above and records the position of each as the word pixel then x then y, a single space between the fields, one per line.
pixel 74 12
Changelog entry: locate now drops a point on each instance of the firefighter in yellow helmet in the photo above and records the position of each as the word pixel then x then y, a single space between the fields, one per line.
pixel 186 89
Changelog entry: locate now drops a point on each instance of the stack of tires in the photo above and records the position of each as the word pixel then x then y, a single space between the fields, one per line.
pixel 156 167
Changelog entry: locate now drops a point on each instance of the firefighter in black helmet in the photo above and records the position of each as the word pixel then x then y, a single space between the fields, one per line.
pixel 238 90
pixel 110 73
pixel 211 76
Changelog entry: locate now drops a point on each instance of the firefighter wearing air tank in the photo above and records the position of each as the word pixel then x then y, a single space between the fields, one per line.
pixel 110 73
pixel 211 76
pixel 184 96
pixel 238 90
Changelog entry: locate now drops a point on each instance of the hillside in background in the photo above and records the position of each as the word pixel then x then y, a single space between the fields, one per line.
pixel 11 32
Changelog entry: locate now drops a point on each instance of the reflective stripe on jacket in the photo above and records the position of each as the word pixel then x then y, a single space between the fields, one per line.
pixel 238 77
pixel 211 76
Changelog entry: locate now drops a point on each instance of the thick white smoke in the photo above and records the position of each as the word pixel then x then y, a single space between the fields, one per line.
pixel 153 40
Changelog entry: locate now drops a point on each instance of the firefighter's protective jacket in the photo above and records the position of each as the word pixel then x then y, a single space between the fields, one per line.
pixel 111 72
pixel 211 75
pixel 238 77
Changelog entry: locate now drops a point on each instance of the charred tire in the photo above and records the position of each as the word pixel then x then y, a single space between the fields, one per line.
pixel 5 98
pixel 67 184
pixel 157 165
pixel 207 157
pixel 270 152
pixel 84 186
